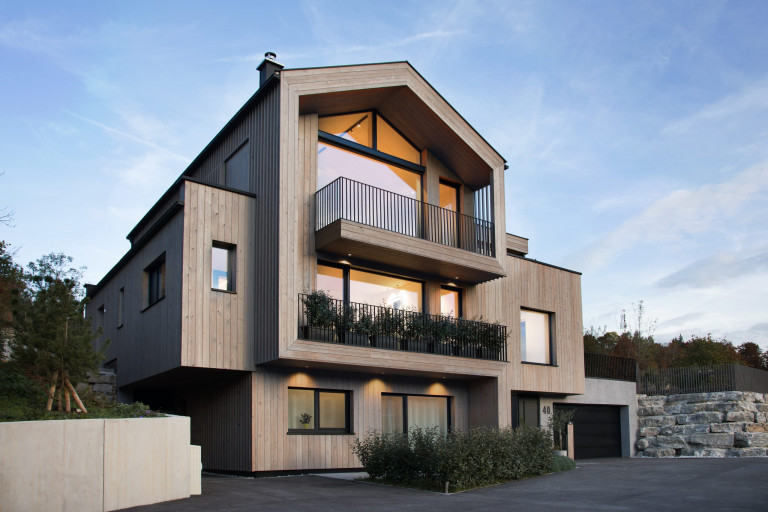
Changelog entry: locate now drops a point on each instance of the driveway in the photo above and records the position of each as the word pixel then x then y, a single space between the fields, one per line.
pixel 601 484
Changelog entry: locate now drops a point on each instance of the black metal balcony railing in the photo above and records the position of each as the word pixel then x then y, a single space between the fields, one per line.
pixel 357 202
pixel 602 366
pixel 324 319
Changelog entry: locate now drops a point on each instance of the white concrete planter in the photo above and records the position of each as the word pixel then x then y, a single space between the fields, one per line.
pixel 99 464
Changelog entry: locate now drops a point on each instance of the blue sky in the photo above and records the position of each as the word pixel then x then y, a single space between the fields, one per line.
pixel 635 132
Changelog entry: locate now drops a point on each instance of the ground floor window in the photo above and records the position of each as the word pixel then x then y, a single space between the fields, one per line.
pixel 322 411
pixel 400 413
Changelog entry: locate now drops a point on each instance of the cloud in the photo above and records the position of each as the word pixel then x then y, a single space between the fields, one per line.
pixel 434 34
pixel 715 270
pixel 134 138
pixel 685 213
pixel 752 98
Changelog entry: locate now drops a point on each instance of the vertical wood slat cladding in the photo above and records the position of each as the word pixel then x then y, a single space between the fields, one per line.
pixel 262 325
pixel 213 321
pixel 274 449
pixel 211 169
pixel 532 285
pixel 149 342
pixel 221 423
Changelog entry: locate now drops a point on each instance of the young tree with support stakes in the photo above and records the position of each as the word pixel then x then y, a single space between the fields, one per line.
pixel 53 338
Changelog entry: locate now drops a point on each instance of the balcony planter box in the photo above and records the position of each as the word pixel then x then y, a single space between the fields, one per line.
pixel 441 349
pixel 358 339
pixel 388 342
pixel 417 345
pixel 320 334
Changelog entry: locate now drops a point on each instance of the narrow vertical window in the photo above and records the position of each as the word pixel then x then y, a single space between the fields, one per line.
pixel 120 303
pixel 236 167
pixel 450 302
pixel 223 267
pixel 153 282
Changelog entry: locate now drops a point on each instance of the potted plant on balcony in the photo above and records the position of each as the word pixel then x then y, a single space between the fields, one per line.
pixel 360 327
pixel 443 334
pixel 466 337
pixel 491 339
pixel 416 331
pixel 320 316
pixel 388 328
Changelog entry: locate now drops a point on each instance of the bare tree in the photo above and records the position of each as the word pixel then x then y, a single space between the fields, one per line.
pixel 6 215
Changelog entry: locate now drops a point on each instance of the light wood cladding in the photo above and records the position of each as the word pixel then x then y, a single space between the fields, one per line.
pixel 213 332
pixel 415 254
pixel 406 100
pixel 274 448
pixel 517 244
pixel 536 286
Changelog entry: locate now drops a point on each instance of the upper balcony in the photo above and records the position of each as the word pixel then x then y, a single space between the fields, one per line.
pixel 353 218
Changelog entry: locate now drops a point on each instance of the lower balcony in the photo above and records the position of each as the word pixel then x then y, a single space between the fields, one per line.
pixel 327 320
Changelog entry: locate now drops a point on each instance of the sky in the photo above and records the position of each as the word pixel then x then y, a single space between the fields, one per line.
pixel 636 133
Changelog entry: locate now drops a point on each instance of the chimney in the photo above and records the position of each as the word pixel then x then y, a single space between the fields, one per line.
pixel 268 67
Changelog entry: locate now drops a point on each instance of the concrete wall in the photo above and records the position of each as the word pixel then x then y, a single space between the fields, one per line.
pixel 99 464
pixel 606 392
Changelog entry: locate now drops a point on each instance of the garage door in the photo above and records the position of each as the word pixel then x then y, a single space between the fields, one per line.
pixel 596 430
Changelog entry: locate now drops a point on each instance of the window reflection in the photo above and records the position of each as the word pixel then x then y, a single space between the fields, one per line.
pixel 449 303
pixel 390 142
pixel 331 280
pixel 377 289
pixel 353 127
pixel 333 162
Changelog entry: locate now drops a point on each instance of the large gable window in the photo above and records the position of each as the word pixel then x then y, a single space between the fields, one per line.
pixel 370 129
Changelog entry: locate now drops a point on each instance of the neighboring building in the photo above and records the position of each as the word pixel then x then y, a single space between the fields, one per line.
pixel 362 181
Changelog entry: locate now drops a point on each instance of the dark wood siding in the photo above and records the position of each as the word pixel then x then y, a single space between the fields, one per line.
pixel 221 423
pixel 265 129
pixel 149 342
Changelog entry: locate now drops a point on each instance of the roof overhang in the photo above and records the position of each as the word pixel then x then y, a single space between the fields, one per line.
pixel 408 101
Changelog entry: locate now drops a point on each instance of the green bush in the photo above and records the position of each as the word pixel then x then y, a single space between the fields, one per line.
pixel 561 463
pixel 23 399
pixel 464 459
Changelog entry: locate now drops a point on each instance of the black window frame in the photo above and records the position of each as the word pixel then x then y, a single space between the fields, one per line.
pixel 552 351
pixel 244 146
pixel 461 297
pixel 231 266
pixel 449 405
pixel 155 282
pixel 120 306
pixel 316 430
pixel 346 279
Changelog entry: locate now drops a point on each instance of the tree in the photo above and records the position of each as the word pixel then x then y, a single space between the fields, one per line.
pixel 6 215
pixel 11 282
pixel 53 338
pixel 751 355
pixel 704 350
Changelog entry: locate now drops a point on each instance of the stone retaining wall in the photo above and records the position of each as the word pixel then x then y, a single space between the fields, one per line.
pixel 721 424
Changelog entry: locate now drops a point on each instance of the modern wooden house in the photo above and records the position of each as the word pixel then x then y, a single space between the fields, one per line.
pixel 364 182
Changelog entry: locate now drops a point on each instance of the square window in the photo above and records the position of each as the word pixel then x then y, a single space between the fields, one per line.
pixel 314 411
pixel 400 413
pixel 154 281
pixel 536 336
pixel 223 267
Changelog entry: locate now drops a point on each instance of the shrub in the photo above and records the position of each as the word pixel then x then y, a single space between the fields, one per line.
pixel 464 459
pixel 560 463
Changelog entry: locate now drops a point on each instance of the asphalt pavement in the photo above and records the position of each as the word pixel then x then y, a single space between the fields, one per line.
pixel 682 484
